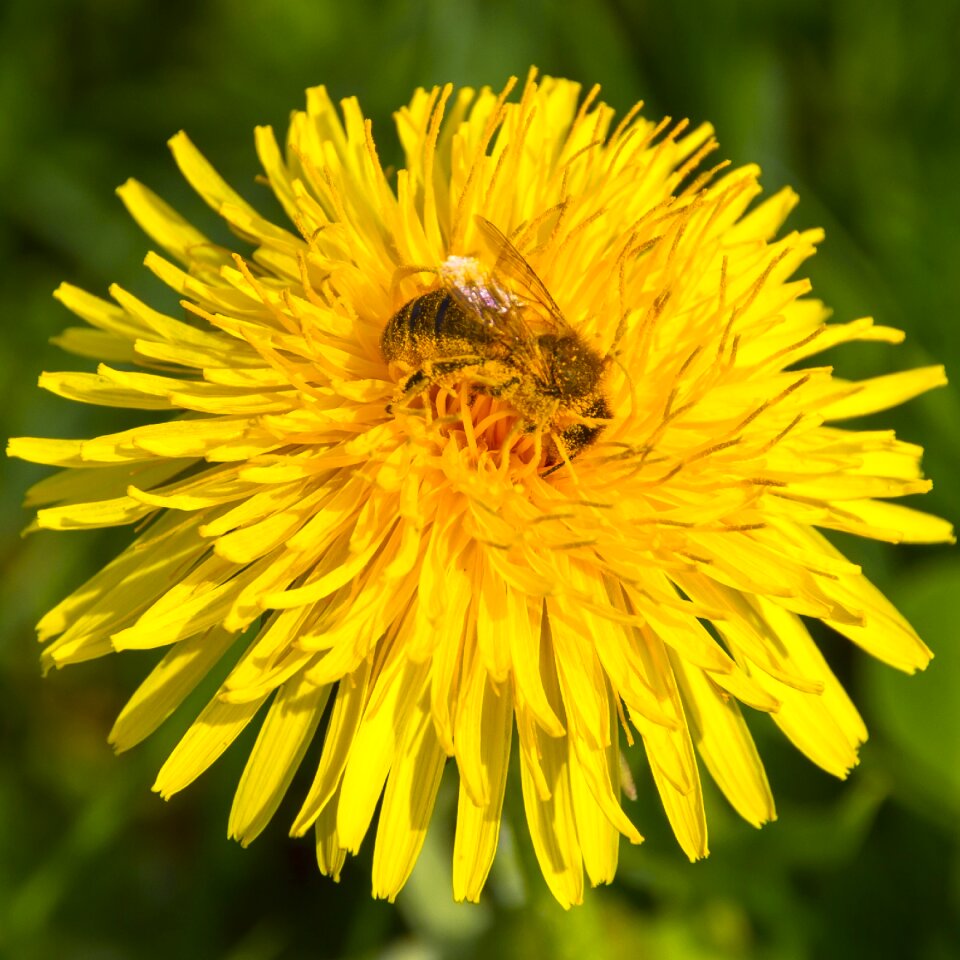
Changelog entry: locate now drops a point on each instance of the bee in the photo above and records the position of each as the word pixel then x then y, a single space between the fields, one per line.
pixel 502 331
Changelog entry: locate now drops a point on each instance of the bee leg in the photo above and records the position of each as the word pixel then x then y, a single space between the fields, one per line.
pixel 443 368
pixel 498 389
pixel 421 380
pixel 415 384
pixel 490 388
pixel 557 457
pixel 572 440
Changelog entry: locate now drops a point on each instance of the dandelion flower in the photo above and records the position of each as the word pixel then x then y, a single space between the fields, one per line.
pixel 419 577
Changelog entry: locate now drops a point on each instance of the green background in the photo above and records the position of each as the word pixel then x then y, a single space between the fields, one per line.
pixel 854 103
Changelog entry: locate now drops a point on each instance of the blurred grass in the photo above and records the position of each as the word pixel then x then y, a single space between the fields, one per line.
pixel 853 103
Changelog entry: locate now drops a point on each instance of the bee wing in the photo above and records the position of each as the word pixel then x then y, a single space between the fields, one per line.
pixel 511 262
pixel 500 313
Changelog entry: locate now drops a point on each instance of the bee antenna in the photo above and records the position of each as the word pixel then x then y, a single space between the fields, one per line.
pixel 401 274
pixel 615 358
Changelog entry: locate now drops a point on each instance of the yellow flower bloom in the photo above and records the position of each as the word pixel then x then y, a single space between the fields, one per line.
pixel 430 571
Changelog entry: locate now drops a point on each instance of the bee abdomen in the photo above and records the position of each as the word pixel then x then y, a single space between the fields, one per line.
pixel 425 315
pixel 428 325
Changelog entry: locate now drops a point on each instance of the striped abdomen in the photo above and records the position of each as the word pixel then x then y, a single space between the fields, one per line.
pixel 433 326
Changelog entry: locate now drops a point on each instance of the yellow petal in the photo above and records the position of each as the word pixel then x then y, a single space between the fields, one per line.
pixel 550 814
pixel 484 735
pixel 117 594
pixel 599 838
pixel 341 729
pixel 330 854
pixel 161 222
pixel 895 523
pixel 218 725
pixel 167 686
pixel 92 388
pixel 407 804
pixel 881 393
pixel 725 745
pixel 386 721
pixel 283 739
pixel 80 485
pixel 198 601
pixel 90 516
pixel 671 756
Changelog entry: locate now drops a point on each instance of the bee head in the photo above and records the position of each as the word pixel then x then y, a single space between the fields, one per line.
pixel 574 369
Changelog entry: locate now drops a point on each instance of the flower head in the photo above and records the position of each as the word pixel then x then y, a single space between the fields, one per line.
pixel 439 549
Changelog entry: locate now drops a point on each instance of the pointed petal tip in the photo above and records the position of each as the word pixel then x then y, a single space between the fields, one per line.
pixel 177 139
pixel 115 739
pixel 126 188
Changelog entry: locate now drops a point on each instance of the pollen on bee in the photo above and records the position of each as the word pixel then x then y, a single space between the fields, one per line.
pixel 461 270
pixel 472 349
pixel 473 284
